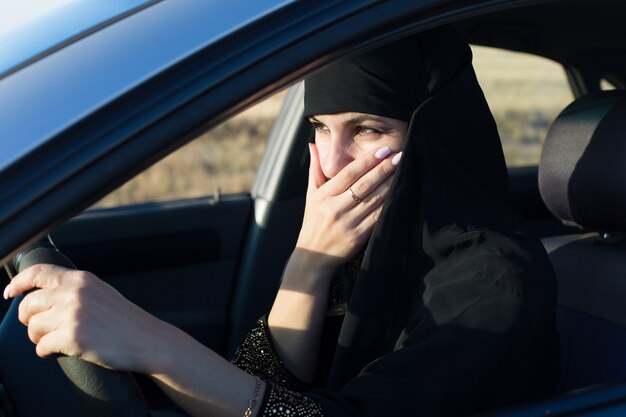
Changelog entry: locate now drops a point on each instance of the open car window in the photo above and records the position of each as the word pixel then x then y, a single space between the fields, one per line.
pixel 525 93
pixel 223 160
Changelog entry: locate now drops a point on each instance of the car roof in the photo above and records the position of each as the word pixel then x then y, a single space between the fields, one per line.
pixel 112 61
pixel 30 30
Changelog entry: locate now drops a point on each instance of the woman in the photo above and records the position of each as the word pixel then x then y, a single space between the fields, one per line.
pixel 450 309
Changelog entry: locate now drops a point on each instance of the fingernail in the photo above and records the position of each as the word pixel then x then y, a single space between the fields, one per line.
pixel 396 159
pixel 382 152
pixel 6 293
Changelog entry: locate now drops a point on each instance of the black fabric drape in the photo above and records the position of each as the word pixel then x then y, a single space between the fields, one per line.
pixel 453 311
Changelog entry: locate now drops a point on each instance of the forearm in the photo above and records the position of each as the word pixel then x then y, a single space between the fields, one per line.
pixel 198 380
pixel 297 316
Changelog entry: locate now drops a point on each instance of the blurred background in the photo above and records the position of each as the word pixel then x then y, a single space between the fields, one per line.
pixel 525 94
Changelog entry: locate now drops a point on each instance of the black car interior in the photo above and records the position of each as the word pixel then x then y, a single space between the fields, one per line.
pixel 212 265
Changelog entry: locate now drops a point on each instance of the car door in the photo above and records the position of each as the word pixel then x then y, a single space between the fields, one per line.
pixel 176 259
pixel 182 258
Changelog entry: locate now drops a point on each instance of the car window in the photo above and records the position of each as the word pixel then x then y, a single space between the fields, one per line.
pixel 223 160
pixel 525 93
pixel 606 85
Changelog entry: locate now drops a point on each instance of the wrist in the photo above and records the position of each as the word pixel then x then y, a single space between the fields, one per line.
pixel 155 354
pixel 308 270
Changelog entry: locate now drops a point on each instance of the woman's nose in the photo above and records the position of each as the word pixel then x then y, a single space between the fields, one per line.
pixel 337 157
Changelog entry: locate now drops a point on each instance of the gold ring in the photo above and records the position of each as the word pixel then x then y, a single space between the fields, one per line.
pixel 354 196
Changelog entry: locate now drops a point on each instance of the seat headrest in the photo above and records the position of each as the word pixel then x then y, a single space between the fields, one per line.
pixel 582 172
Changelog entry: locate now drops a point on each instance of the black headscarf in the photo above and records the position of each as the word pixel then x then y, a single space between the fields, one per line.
pixel 453 311
pixel 382 82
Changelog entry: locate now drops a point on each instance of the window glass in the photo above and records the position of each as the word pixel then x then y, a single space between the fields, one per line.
pixel 606 85
pixel 525 93
pixel 224 159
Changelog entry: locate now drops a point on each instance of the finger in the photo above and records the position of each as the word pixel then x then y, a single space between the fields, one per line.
pixel 374 201
pixel 34 303
pixel 66 341
pixel 37 276
pixel 367 223
pixel 52 343
pixel 316 175
pixel 374 179
pixel 40 325
pixel 355 170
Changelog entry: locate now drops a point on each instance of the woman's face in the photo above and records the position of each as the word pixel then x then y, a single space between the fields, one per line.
pixel 342 137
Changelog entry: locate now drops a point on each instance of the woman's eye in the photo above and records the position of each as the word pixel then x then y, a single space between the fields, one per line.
pixel 366 130
pixel 319 127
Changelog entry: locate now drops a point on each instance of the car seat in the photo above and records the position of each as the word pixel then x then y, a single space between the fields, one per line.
pixel 582 180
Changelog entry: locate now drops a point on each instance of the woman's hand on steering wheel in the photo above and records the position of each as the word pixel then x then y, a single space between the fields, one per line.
pixel 76 314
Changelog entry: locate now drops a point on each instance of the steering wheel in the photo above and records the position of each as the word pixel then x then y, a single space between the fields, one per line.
pixel 36 387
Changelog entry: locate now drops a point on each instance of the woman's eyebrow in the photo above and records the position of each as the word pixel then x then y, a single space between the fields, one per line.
pixel 355 120
pixel 366 118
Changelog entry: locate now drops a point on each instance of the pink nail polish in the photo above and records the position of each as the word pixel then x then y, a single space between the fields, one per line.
pixel 382 152
pixel 396 159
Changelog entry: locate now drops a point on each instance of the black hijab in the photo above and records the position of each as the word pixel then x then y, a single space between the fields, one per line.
pixel 453 311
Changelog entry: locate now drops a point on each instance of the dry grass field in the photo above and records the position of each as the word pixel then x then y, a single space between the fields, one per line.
pixel 525 94
pixel 224 158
